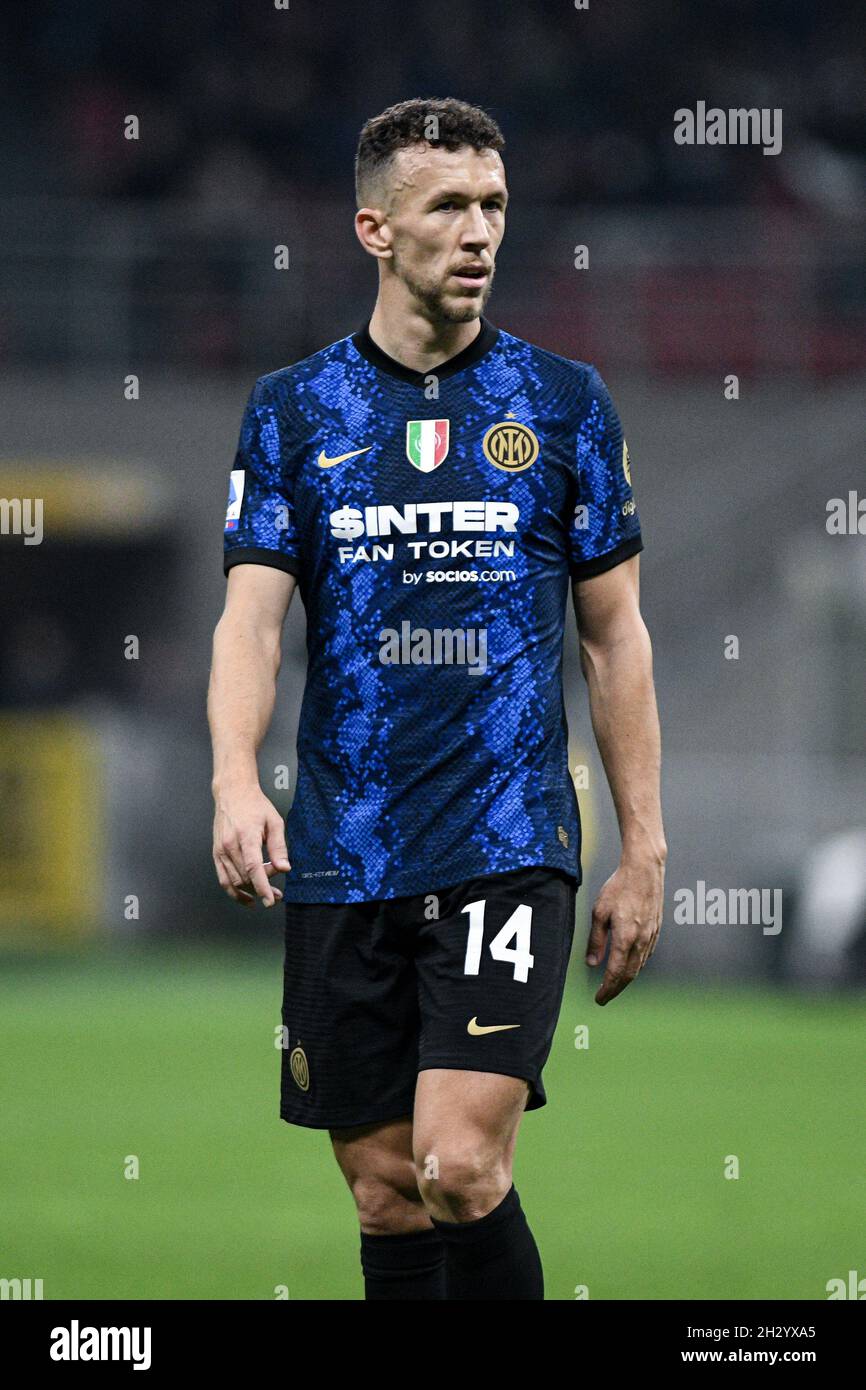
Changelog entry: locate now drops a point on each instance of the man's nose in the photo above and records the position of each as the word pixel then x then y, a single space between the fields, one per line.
pixel 475 231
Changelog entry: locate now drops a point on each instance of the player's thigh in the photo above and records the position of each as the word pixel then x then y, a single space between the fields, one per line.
pixel 466 1117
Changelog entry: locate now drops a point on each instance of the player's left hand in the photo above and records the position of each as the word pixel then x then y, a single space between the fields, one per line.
pixel 628 910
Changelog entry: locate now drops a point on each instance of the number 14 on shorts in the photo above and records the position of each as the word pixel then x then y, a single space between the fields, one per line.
pixel 518 929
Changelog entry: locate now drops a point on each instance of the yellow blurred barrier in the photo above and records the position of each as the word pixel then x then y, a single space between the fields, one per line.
pixel 52 812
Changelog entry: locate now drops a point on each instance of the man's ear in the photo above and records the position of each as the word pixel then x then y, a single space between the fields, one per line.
pixel 373 232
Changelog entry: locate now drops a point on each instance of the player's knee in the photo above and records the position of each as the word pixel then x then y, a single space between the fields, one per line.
pixel 463 1182
pixel 383 1208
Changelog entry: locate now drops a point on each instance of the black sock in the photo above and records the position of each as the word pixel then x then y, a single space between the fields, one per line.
pixel 494 1257
pixel 403 1266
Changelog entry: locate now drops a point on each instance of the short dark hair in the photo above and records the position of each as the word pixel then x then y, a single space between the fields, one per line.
pixel 452 123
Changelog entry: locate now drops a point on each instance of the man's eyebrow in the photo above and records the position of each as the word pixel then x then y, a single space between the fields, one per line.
pixel 441 195
pixel 444 195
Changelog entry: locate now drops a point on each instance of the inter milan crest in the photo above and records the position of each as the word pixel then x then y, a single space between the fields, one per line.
pixel 510 446
pixel 426 443
pixel 300 1068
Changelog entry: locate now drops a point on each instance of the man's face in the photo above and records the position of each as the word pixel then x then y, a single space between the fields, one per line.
pixel 446 215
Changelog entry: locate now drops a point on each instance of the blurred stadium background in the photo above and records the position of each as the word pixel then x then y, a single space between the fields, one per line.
pixel 138 1005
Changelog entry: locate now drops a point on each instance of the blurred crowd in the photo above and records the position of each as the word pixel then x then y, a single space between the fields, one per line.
pixel 241 102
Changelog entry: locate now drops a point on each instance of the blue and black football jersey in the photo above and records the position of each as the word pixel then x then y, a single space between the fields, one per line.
pixel 434 523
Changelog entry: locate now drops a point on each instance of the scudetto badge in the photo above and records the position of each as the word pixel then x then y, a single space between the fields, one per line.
pixel 510 446
pixel 300 1068
pixel 426 443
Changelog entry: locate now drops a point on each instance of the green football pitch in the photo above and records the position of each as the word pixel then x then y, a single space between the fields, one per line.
pixel 169 1059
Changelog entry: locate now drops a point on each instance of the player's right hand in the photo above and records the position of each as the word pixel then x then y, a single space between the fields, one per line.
pixel 244 822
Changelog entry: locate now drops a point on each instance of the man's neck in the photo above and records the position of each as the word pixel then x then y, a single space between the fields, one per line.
pixel 415 341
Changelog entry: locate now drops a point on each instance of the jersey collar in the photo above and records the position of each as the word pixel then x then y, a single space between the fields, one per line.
pixel 467 357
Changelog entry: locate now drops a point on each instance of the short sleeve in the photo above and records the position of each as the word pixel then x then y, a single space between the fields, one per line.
pixel 260 525
pixel 605 528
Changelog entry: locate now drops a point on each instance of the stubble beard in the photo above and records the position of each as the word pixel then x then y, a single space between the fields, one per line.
pixel 438 307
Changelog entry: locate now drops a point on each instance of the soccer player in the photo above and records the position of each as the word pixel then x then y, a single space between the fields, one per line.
pixel 433 486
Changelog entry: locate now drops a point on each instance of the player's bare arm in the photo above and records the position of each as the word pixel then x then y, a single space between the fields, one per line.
pixel 246 660
pixel 616 659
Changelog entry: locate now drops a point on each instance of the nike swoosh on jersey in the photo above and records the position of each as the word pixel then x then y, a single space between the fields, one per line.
pixel 477 1029
pixel 325 462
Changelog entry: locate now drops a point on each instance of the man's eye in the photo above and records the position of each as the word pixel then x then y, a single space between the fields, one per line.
pixel 444 207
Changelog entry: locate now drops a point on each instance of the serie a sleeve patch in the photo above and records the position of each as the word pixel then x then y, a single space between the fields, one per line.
pixel 236 497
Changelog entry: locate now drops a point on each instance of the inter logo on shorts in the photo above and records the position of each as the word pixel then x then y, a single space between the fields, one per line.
pixel 510 446
pixel 426 443
pixel 300 1068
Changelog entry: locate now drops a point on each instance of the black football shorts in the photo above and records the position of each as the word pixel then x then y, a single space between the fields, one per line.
pixel 470 977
